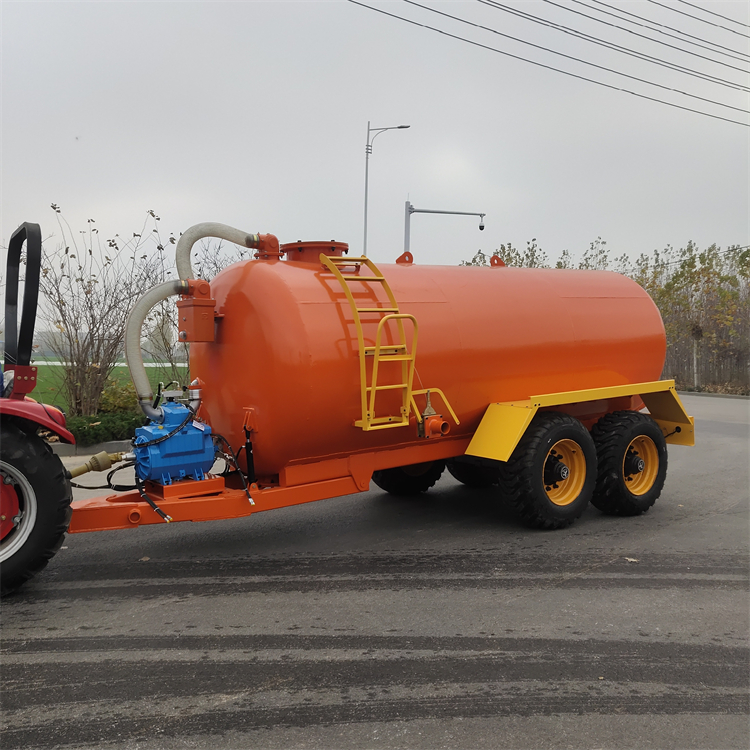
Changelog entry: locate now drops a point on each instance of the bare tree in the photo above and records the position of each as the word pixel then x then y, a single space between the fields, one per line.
pixel 88 289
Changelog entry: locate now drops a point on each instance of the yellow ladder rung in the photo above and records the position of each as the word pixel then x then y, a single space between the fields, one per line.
pixel 385 352
pixel 377 309
pixel 372 426
pixel 357 277
pixel 387 420
pixel 388 387
pixel 386 348
pixel 395 358
pixel 341 259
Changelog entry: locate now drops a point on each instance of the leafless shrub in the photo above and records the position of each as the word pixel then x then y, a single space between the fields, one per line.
pixel 88 287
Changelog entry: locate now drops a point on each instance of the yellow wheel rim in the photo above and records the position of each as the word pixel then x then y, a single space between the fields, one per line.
pixel 564 472
pixel 640 465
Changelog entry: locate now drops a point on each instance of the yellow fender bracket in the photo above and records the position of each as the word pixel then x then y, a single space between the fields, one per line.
pixel 504 424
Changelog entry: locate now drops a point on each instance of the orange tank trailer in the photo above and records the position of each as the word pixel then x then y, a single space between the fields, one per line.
pixel 286 350
pixel 301 344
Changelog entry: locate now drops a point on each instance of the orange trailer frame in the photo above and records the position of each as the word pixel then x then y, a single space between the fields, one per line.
pixel 496 437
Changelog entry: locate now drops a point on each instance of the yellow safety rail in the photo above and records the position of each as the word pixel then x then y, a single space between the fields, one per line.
pixel 381 353
pixel 398 352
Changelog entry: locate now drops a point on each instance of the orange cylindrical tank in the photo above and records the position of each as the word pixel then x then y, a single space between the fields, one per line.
pixel 285 359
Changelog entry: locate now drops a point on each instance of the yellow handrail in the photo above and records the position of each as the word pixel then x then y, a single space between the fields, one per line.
pixel 407 364
pixel 398 352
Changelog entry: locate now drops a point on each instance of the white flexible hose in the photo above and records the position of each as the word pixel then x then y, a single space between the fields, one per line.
pixel 134 326
pixel 133 333
pixel 201 231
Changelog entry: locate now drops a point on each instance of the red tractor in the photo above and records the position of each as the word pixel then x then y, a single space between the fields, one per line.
pixel 35 492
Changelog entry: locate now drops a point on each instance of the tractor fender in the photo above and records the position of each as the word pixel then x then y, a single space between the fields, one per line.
pixel 43 415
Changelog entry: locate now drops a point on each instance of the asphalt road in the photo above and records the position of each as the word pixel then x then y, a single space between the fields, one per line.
pixel 373 622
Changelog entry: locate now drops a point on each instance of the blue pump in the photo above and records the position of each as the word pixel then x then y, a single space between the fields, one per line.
pixel 188 454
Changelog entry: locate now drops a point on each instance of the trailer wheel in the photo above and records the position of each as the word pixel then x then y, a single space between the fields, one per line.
pixel 409 480
pixel 550 476
pixel 35 497
pixel 632 456
pixel 472 475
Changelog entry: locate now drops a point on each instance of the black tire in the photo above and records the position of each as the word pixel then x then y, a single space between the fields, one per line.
pixel 528 481
pixel 472 475
pixel 622 439
pixel 36 478
pixel 409 480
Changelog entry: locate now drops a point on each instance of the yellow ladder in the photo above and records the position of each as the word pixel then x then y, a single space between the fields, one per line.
pixel 398 352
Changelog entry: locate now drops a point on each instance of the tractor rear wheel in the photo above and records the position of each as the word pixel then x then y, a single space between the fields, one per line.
pixel 35 498
pixel 632 456
pixel 472 475
pixel 550 476
pixel 409 480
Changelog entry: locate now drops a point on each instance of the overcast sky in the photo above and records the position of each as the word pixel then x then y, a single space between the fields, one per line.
pixel 255 114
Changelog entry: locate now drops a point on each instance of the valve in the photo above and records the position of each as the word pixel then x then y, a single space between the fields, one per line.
pixel 432 424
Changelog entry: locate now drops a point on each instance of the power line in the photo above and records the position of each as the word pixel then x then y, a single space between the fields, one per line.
pixel 547 67
pixel 576 59
pixel 698 18
pixel 657 30
pixel 718 15
pixel 624 50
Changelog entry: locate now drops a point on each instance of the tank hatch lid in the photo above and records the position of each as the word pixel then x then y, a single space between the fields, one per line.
pixel 309 252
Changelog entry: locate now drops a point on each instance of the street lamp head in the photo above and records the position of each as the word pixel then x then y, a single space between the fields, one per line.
pixel 401 127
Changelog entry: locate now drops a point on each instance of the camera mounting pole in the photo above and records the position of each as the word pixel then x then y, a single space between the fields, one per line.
pixel 409 210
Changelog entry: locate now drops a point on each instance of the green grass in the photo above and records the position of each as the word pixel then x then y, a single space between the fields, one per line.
pixel 49 389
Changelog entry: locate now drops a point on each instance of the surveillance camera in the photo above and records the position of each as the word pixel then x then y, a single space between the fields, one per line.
pixel 481 227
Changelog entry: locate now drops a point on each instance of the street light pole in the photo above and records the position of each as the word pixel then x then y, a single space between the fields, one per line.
pixel 368 151
pixel 409 210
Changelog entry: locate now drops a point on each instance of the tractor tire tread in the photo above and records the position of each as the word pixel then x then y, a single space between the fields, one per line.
pixel 29 449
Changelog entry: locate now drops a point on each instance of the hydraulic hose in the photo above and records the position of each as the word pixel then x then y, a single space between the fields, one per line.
pixel 201 231
pixel 133 332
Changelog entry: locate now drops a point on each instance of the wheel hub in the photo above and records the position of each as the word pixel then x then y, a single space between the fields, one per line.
pixel 555 470
pixel 564 472
pixel 10 509
pixel 640 465
pixel 634 464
